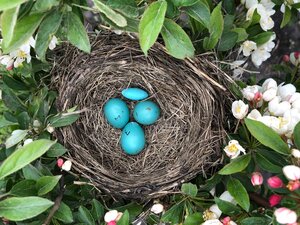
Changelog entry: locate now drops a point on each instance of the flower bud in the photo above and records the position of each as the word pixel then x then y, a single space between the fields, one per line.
pixel 274 200
pixel 257 179
pixel 212 222
pixel 254 114
pixel 60 162
pixel 275 182
pixel 113 222
pixel 36 123
pixel 294 58
pixel 27 141
pixel 239 109
pixel 249 92
pixel 286 91
pixel 120 214
pixel 286 58
pixel 296 153
pixel 50 129
pixel 157 208
pixel 291 172
pixel 293 185
pixel 285 216
pixel 111 216
pixel 67 165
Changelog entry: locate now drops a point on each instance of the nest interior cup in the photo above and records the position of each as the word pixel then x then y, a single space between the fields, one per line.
pixel 186 139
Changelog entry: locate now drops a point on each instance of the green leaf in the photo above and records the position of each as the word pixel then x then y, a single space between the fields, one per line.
pixel 31 173
pixel 297 135
pixel 189 189
pixel 174 214
pixel 5 4
pixel 286 17
pixel 8 23
pixel 56 150
pixel 128 7
pixel 13 83
pixel 266 165
pixel 254 221
pixel 23 156
pixel 24 188
pixel 15 138
pixel 236 165
pixel 194 219
pixel 85 216
pixel 24 29
pixel 97 209
pixel 44 5
pixel 46 184
pixel 229 6
pixel 180 3
pixel 117 18
pixel 124 219
pixel 11 100
pixel 227 208
pixel 18 209
pixel 239 193
pixel 200 12
pixel 216 25
pixel 76 32
pixel 177 42
pixel 267 136
pixel 242 33
pixel 6 123
pixel 262 38
pixel 228 41
pixel 63 119
pixel 134 209
pixel 46 31
pixel 151 24
pixel 64 213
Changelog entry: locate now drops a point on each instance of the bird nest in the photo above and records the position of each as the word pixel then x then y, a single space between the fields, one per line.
pixel 185 141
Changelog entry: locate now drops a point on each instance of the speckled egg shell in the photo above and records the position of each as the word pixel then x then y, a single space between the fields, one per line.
pixel 133 139
pixel 146 112
pixel 136 94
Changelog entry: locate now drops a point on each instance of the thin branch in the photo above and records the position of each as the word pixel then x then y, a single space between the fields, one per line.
pixel 259 200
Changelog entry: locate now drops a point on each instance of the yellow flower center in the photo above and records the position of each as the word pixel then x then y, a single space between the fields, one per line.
pixel 238 109
pixel 208 215
pixel 232 148
pixel 22 54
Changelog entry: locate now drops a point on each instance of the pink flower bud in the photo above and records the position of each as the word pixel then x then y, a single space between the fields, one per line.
pixel 59 162
pixel 297 54
pixel 293 185
pixel 111 216
pixel 257 96
pixel 275 182
pixel 112 223
pixel 285 216
pixel 286 58
pixel 226 220
pixel 274 200
pixel 257 179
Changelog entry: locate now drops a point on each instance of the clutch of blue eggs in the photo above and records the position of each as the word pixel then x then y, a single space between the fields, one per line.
pixel 117 114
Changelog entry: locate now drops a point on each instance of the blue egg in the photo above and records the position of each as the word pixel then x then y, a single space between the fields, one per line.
pixel 116 112
pixel 135 94
pixel 146 112
pixel 133 138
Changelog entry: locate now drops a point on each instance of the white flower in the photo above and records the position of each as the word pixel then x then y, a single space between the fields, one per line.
pixel 296 104
pixel 269 83
pixel 225 196
pixel 67 165
pixel 111 216
pixel 266 23
pixel 296 153
pixel 239 109
pixel 277 108
pixel 237 68
pixel 212 222
pixel 250 91
pixel 269 89
pixel 286 91
pixel 53 43
pixel 285 216
pixel 157 208
pixel 262 53
pixel 269 5
pixel 248 47
pixel 23 53
pixel 254 114
pixel 50 129
pixel 27 141
pixel 250 3
pixel 233 149
pixel 7 61
pixel 294 97
pixel 294 58
pixel 291 172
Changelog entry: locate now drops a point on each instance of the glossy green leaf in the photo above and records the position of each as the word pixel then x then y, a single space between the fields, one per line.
pixel 14 83
pixel 177 42
pixel 287 15
pixel 30 172
pixel 174 214
pixel 8 23
pixel 64 213
pixel 124 219
pixel 151 24
pixel 76 32
pixel 266 165
pixel 227 41
pixel 44 5
pixel 180 3
pixel 189 189
pixel 227 208
pixel 18 209
pixel 56 150
pixel 242 33
pixel 117 18
pixel 236 165
pixel 24 29
pixel 239 193
pixel 24 188
pixel 15 138
pixel 47 29
pixel 229 6
pixel 193 219
pixel 255 221
pixel 297 135
pixel 97 209
pixel 85 216
pixel 267 136
pixel 8 4
pixel 46 184
pixel 127 7
pixel 216 25
pixel 23 156
pixel 63 119
pixel 11 100
pixel 262 38
pixel 6 123
pixel 200 12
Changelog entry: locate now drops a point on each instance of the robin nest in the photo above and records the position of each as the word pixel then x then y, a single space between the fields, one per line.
pixel 185 141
